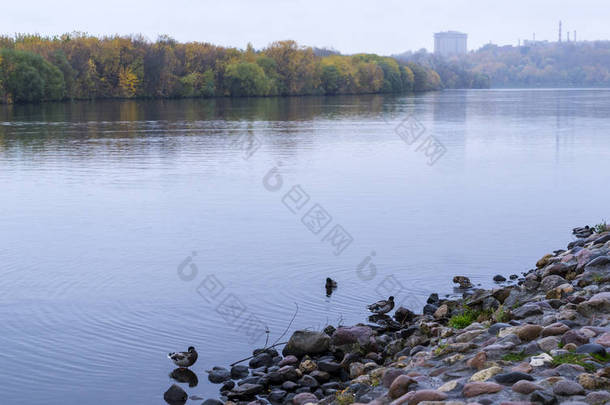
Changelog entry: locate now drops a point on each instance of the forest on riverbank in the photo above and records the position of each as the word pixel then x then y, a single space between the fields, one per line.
pixel 79 66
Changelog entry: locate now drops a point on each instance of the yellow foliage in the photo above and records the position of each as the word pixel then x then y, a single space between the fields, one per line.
pixel 128 82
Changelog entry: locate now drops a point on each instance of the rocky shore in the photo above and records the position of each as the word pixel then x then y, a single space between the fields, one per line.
pixel 541 337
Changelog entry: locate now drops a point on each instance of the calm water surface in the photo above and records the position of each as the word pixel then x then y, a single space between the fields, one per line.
pixel 131 229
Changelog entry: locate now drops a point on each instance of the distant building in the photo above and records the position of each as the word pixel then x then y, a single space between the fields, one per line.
pixel 450 43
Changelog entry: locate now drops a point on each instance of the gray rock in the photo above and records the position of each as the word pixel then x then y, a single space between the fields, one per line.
pixel 261 360
pixel 218 375
pixel 548 343
pixel 175 395
pixel 303 398
pixel 496 327
pixel 329 366
pixel 567 388
pixel 512 377
pixel 527 310
pixel 245 391
pixel 276 395
pixel 304 342
pixel 592 348
pixel 543 398
pixel 239 371
pixel 550 282
pixel 212 402
pixel 352 335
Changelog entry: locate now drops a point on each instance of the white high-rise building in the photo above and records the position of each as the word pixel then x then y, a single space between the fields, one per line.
pixel 450 43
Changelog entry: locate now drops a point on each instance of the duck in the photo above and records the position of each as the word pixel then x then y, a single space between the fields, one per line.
pixel 184 359
pixel 330 286
pixel 383 306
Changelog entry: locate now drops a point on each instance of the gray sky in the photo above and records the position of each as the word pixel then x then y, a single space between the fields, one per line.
pixel 384 27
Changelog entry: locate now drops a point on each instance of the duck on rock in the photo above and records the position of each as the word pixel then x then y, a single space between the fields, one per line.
pixel 382 307
pixel 184 359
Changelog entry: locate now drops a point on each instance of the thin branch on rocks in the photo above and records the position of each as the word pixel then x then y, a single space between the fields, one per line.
pixel 250 357
pixel 296 311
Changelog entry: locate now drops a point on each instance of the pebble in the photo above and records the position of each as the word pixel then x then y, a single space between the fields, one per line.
pixel 512 377
pixel 525 387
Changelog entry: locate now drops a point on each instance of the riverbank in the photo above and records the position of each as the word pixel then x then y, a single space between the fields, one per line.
pixel 541 337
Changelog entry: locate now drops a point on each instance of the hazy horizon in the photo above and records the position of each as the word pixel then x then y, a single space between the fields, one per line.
pixel 393 28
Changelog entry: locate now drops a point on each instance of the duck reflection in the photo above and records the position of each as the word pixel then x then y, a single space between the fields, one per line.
pixel 184 375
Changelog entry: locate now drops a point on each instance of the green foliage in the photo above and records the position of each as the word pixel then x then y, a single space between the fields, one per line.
pixel 515 356
pixel 601 227
pixel 574 358
pixel 501 315
pixel 246 79
pixel 468 316
pixel 345 398
pixel 28 77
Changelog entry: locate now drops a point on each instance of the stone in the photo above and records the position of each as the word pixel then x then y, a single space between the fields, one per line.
pixel 598 397
pixel 419 396
pixel 478 361
pixel 211 401
pixel 512 377
pixel 604 339
pixel 289 385
pixel 525 387
pixel 329 366
pixel 529 332
pixel 276 395
pixel 400 386
pixel 541 360
pixel 449 385
pixel 175 395
pixel 356 369
pixel 403 315
pixel 307 366
pixel 441 312
pixel 550 282
pixel 496 327
pixel 548 343
pixel 308 381
pixel 390 375
pixel 522 368
pixel 588 381
pixel 575 337
pixel 543 261
pixel 289 373
pixel 239 371
pixel 567 388
pixel 468 336
pixel 219 375
pixel 429 309
pixel 486 374
pixel 600 302
pixel 352 335
pixel 555 329
pixel 245 391
pixel 288 361
pixel 473 389
pixel 304 342
pixel 261 360
pixel 527 310
pixel 498 278
pixel 304 398
pixel 543 398
pixel 592 348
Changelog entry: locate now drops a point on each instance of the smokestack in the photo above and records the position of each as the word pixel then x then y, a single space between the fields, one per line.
pixel 559 30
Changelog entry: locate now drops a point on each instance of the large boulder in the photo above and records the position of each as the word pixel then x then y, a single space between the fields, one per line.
pixel 352 335
pixel 175 395
pixel 304 342
pixel 600 302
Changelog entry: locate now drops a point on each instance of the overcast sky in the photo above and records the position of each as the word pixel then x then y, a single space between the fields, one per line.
pixel 385 27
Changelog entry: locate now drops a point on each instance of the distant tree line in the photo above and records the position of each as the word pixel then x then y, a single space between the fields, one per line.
pixel 78 66
pixel 537 64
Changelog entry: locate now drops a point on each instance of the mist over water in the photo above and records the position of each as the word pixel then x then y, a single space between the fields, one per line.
pixel 102 202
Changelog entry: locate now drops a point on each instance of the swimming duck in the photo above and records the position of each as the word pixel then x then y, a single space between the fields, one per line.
pixel 184 359
pixel 382 307
pixel 330 283
pixel 330 286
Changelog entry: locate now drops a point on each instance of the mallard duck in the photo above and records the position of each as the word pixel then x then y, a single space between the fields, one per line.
pixel 184 359
pixel 382 307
